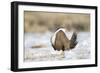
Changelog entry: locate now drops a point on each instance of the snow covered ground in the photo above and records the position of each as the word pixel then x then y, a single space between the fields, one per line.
pixel 46 53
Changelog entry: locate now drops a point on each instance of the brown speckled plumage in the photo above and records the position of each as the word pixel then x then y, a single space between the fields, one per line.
pixel 63 43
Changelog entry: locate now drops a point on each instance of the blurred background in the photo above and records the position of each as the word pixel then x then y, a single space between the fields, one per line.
pixel 51 21
pixel 39 28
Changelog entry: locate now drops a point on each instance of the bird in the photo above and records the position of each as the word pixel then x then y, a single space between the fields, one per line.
pixel 61 42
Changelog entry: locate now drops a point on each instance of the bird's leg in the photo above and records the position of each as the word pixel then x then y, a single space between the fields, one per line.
pixel 61 53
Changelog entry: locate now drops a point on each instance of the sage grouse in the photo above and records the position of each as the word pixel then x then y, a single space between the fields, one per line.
pixel 61 41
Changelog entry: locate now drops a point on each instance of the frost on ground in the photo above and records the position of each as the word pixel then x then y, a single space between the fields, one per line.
pixel 46 53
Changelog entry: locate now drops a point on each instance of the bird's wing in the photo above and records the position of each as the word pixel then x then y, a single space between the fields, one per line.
pixel 73 41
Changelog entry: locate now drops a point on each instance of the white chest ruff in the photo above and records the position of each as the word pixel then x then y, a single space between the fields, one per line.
pixel 68 35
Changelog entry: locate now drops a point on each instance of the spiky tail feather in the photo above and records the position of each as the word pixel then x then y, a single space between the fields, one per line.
pixel 73 41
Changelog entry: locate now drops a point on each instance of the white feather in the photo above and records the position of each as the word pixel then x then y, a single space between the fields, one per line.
pixel 54 36
pixel 68 34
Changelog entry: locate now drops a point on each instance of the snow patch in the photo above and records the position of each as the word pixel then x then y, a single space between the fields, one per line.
pixel 81 51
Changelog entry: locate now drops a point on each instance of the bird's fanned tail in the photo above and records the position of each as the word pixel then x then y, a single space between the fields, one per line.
pixel 73 41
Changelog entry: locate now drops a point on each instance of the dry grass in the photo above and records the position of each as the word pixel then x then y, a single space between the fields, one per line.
pixel 46 21
pixel 39 46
